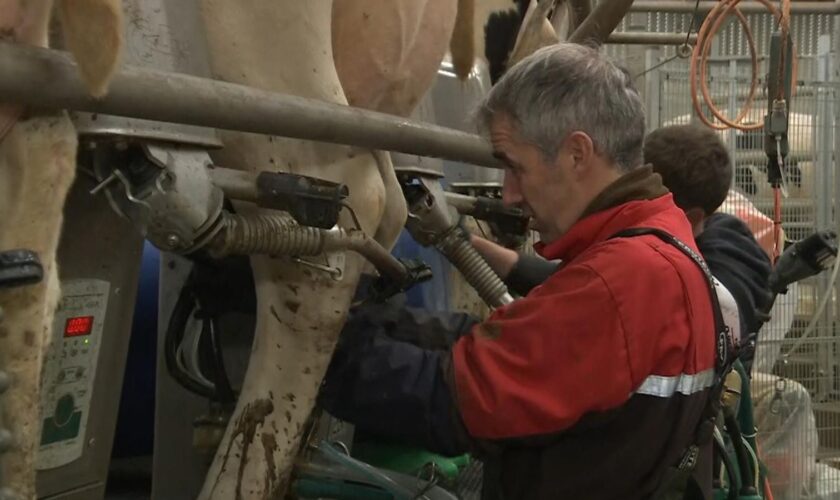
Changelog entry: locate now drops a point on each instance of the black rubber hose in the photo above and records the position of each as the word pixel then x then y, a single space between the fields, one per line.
pixel 174 334
pixel 732 493
pixel 747 474
pixel 224 391
pixel 206 355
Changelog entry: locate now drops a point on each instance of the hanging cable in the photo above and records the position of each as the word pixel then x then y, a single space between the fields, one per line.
pixel 702 50
pixel 173 338
pixel 777 223
pixel 768 492
pixel 698 73
pixel 780 106
pixel 683 51
pixel 224 390
pixel 193 352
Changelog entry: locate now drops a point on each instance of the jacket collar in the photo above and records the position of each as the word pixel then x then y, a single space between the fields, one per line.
pixel 628 201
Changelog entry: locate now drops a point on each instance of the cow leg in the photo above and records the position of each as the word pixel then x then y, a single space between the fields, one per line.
pixel 37 165
pixel 300 311
pixel 390 69
pixel 396 212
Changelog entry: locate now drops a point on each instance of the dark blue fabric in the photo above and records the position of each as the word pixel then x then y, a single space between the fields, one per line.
pixel 134 435
pixel 737 260
pixel 396 388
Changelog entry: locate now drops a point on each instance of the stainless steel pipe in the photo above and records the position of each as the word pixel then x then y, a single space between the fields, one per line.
pixel 646 38
pixel 746 7
pixel 235 184
pixel 462 203
pixel 46 78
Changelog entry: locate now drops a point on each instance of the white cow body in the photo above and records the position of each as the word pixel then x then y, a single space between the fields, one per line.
pixel 37 167
pixel 300 311
pixel 378 55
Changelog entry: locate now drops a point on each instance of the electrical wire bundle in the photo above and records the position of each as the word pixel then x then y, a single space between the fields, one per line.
pixel 191 351
pixel 192 345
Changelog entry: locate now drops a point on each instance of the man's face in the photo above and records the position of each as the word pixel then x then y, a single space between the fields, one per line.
pixel 544 189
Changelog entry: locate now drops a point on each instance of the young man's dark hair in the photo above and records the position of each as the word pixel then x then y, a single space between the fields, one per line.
pixel 696 168
pixel 694 165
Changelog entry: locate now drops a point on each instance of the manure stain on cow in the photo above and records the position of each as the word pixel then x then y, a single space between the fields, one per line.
pixel 274 313
pixel 252 416
pixel 269 444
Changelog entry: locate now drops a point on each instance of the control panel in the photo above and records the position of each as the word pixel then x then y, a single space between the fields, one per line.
pixel 70 370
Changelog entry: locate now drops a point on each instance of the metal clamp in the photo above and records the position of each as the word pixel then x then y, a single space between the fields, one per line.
pixel 334 264
pixel 20 268
pixel 779 389
pixel 384 287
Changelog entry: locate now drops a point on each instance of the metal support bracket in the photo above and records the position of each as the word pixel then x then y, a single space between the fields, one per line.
pixel 20 268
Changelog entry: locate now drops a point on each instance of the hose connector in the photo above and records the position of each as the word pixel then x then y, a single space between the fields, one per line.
pixel 278 234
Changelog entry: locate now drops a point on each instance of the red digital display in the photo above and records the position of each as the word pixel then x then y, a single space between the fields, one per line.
pixel 76 327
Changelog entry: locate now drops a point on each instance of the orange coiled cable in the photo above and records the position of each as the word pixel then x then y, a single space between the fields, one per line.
pixel 700 55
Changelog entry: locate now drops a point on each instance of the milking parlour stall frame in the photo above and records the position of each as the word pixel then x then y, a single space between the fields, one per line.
pixel 145 171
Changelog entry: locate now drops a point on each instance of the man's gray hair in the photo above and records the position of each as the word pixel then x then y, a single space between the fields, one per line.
pixel 565 88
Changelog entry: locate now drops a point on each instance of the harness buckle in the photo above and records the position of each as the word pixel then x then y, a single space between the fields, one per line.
pixel 689 459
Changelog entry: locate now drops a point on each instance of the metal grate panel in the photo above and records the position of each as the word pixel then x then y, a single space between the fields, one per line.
pixel 796 386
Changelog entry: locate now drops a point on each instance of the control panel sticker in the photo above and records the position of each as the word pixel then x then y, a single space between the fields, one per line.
pixel 70 371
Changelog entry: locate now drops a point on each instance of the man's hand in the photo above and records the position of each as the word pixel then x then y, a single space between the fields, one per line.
pixel 501 259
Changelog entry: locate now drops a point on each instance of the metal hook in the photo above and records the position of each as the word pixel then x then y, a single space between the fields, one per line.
pixel 127 186
pixel 334 272
pixel 102 185
pixel 775 403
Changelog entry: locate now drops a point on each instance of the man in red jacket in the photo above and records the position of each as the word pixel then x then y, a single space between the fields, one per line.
pixel 595 383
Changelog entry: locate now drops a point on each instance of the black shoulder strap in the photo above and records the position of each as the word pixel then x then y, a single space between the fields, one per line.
pixel 679 475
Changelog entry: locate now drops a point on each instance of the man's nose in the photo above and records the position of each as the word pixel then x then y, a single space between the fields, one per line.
pixel 511 194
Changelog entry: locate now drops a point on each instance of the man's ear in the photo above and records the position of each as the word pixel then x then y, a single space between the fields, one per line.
pixel 580 147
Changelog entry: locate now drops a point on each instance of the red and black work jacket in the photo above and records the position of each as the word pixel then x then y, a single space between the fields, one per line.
pixel 594 383
pixel 590 386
